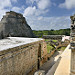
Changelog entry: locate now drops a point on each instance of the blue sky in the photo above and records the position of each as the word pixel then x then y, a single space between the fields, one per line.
pixel 42 14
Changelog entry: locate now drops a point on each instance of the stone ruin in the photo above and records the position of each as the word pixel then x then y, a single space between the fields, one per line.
pixel 72 43
pixel 22 56
pixel 14 24
pixel 54 37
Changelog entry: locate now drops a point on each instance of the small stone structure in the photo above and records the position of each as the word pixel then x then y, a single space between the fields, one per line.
pixel 40 72
pixel 53 37
pixel 65 38
pixel 14 24
pixel 21 56
pixel 72 42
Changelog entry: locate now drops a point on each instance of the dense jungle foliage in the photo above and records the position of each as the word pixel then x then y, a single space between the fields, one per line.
pixel 40 33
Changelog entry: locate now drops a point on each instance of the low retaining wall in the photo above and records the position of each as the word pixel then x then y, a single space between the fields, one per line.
pixel 53 37
pixel 50 54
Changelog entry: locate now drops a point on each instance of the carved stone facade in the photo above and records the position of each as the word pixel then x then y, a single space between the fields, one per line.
pixel 72 43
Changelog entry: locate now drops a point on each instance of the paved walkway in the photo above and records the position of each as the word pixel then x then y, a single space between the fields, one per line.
pixel 47 66
pixel 62 66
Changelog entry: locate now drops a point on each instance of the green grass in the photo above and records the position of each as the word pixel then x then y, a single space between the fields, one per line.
pixel 47 39
pixel 49 48
pixel 54 40
pixel 62 48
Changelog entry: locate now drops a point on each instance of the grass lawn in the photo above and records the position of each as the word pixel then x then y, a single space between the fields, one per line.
pixel 47 39
pixel 49 48
pixel 54 40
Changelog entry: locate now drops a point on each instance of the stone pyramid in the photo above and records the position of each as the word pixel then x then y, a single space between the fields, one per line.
pixel 14 24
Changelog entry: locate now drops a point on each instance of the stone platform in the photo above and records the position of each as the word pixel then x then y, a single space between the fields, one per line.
pixel 19 55
pixel 11 42
pixel 62 66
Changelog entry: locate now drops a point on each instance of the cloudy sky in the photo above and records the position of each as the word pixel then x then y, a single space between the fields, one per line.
pixel 42 14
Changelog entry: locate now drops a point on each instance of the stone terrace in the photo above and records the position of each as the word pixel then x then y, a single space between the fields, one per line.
pixel 11 42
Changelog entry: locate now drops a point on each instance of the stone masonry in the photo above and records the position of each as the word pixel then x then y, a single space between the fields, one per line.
pixel 54 37
pixel 15 25
pixel 19 56
pixel 72 42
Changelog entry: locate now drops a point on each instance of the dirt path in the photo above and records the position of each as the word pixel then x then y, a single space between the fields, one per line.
pixel 47 66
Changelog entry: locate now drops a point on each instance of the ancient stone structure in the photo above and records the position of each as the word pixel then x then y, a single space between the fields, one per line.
pixel 14 24
pixel 54 37
pixel 40 72
pixel 72 45
pixel 21 56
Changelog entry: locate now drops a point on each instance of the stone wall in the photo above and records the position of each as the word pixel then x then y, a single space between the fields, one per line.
pixel 43 57
pixel 72 43
pixel 22 60
pixel 55 37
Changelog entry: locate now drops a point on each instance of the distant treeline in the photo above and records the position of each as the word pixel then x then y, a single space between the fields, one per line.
pixel 40 33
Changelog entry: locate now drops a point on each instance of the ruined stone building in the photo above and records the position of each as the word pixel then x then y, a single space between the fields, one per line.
pixel 14 24
pixel 72 45
pixel 56 37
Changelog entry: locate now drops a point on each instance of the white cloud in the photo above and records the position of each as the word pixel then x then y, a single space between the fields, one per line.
pixel 43 4
pixel 40 12
pixel 16 9
pixel 47 23
pixel 40 18
pixel 41 8
pixel 2 12
pixel 68 4
pixel 33 14
pixel 14 0
pixel 32 11
pixel 31 1
pixel 5 3
pixel 29 11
